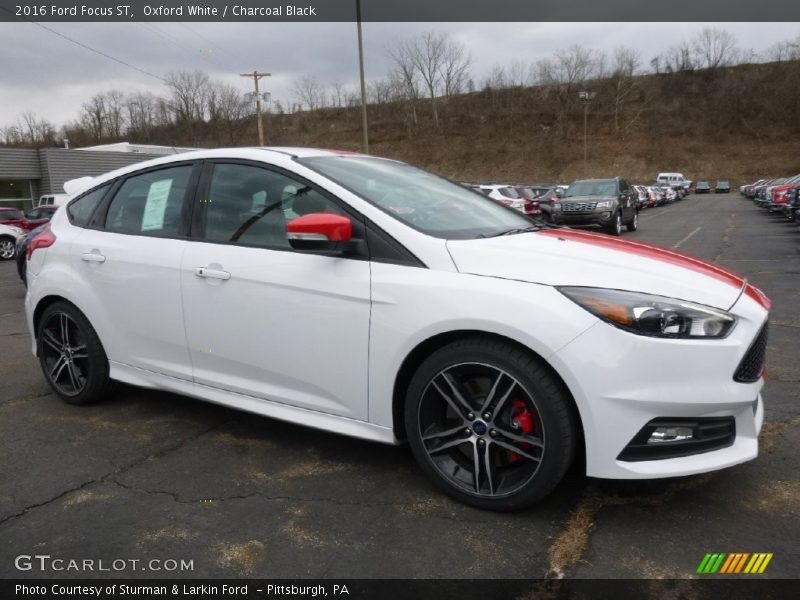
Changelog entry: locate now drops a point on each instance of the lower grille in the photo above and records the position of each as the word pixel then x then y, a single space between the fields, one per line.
pixel 752 365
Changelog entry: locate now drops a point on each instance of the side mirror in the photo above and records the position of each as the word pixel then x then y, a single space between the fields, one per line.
pixel 326 233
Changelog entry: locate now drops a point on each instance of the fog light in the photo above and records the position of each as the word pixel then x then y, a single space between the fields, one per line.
pixel 605 214
pixel 662 435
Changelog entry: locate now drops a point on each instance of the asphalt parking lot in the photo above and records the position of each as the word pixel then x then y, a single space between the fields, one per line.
pixel 152 475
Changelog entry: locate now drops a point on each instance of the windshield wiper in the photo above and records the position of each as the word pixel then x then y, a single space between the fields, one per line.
pixel 514 231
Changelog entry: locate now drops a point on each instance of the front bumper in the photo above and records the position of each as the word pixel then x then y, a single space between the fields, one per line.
pixel 634 380
pixel 598 218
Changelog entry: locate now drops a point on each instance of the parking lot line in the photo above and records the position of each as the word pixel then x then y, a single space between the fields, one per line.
pixel 677 245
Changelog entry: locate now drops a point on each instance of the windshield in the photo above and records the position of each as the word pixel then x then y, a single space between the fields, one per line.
pixel 419 199
pixel 592 188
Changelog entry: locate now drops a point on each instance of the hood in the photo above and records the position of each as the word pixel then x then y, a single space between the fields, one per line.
pixel 590 198
pixel 579 258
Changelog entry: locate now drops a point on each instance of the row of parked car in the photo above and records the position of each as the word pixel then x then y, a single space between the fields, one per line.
pixel 776 195
pixel 607 204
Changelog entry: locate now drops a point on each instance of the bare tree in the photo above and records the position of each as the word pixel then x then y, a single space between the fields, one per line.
pixel 426 54
pixel 714 48
pixel 679 58
pixel 141 108
pixel 188 94
pixel 31 130
pixel 309 92
pixel 227 106
pixel 454 70
pixel 785 50
pixel 626 61
pixel 115 113
pixel 93 117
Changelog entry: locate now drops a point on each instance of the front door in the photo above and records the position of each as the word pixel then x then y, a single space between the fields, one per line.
pixel 262 319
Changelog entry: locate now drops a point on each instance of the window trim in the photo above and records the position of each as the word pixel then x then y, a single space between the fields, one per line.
pixel 100 215
pixel 204 188
pixel 108 185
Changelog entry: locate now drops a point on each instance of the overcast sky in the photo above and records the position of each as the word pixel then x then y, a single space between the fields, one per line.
pixel 51 76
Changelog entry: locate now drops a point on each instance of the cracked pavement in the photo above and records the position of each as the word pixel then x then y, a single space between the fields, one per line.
pixel 155 475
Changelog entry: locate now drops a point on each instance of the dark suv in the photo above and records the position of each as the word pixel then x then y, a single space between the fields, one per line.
pixel 605 203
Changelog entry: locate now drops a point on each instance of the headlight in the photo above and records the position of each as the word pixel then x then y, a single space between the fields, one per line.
pixel 604 204
pixel 656 316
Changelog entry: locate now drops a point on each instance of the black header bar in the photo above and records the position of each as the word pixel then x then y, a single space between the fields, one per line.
pixel 401 10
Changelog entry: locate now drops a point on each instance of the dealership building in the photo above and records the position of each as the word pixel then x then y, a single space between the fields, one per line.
pixel 26 174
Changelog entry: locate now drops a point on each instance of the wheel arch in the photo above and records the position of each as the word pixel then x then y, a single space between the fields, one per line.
pixel 427 347
pixel 41 306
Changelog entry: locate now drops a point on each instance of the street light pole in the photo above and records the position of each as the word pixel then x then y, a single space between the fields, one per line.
pixel 585 98
pixel 256 76
pixel 365 135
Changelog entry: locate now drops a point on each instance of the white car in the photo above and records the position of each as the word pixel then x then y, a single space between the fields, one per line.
pixel 504 194
pixel 9 235
pixel 367 297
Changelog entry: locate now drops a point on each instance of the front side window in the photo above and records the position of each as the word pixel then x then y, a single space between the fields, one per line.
pixel 251 206
pixel 80 211
pixel 150 203
pixel 417 198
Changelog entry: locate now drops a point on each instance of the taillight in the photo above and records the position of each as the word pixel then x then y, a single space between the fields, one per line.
pixel 45 239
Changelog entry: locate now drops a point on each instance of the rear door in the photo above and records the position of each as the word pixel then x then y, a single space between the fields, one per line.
pixel 129 259
pixel 262 319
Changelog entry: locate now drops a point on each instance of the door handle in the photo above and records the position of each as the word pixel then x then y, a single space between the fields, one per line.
pixel 212 273
pixel 93 256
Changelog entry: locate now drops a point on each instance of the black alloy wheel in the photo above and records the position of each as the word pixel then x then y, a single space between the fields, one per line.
pixel 489 424
pixel 71 356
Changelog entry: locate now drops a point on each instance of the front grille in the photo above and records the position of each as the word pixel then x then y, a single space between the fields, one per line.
pixel 578 206
pixel 708 433
pixel 752 365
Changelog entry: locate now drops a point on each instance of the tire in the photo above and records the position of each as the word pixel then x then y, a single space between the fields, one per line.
pixel 77 370
pixel 615 227
pixel 533 407
pixel 633 224
pixel 8 247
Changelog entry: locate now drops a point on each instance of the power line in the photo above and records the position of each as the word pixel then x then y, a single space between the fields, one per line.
pixel 238 59
pixel 82 45
pixel 179 44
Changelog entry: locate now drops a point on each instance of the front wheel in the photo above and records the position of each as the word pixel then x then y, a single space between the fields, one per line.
pixel 72 358
pixel 633 225
pixel 489 424
pixel 615 227
pixel 8 248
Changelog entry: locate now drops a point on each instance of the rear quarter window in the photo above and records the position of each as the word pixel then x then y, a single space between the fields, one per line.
pixel 80 210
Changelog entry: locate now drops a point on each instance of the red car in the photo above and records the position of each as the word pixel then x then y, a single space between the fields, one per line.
pixel 39 216
pixel 15 217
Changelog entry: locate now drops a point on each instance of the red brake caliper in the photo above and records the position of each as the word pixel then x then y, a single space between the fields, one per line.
pixel 521 420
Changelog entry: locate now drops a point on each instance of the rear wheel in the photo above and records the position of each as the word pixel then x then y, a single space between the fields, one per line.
pixel 633 224
pixel 7 247
pixel 72 358
pixel 489 424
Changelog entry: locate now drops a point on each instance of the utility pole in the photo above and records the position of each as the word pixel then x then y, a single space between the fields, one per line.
pixel 256 76
pixel 365 139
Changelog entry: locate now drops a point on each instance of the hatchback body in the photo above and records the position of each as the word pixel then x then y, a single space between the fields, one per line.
pixel 366 297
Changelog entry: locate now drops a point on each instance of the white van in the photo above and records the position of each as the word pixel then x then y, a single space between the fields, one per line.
pixel 674 179
pixel 52 200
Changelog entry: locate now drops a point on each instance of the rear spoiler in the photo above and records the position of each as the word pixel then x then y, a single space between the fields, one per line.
pixel 76 186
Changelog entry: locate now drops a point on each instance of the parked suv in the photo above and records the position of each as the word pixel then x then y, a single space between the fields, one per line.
pixel 605 203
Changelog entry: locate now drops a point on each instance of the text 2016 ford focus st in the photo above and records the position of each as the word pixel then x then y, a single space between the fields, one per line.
pixel 367 297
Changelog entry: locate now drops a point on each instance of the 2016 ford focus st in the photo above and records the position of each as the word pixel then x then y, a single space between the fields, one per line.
pixel 367 297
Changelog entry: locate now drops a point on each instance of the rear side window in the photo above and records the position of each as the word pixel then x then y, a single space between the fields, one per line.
pixel 80 210
pixel 150 203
